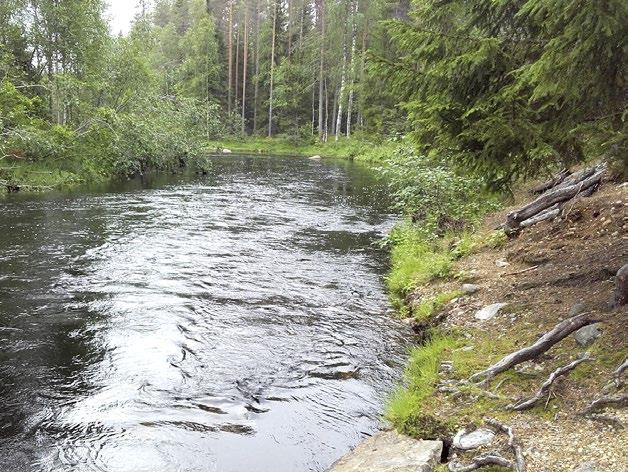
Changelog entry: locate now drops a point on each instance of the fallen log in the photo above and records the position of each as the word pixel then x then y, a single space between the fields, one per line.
pixel 578 177
pixel 547 385
pixel 562 192
pixel 551 213
pixel 545 342
pixel 553 182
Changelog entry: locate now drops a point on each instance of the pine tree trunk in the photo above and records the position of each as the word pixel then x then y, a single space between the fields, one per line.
pixel 244 66
pixel 230 54
pixel 256 88
pixel 272 71
pixel 321 97
pixel 354 8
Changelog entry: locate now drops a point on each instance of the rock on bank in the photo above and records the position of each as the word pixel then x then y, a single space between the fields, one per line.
pixel 389 451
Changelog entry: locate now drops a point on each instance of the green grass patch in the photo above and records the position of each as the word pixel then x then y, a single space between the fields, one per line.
pixel 428 308
pixel 405 408
pixel 414 260
pixel 286 146
pixel 38 176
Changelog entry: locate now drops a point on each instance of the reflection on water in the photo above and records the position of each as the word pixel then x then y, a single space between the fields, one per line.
pixel 234 322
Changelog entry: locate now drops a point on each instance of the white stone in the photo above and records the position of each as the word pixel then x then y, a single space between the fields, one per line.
pixel 489 311
pixel 588 467
pixel 391 452
pixel 316 157
pixel 470 288
pixel 226 151
pixel 465 441
pixel 501 263
pixel 586 335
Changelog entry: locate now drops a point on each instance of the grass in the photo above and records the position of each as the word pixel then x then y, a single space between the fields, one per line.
pixel 346 148
pixel 414 260
pixel 428 308
pixel 405 409
pixel 37 176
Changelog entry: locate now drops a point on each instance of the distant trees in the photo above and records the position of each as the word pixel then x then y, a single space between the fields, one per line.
pixel 501 88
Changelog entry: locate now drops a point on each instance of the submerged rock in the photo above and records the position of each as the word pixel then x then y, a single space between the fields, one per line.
pixel 489 311
pixel 466 440
pixel 391 452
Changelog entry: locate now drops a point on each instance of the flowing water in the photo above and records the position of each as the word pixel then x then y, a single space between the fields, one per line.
pixel 232 322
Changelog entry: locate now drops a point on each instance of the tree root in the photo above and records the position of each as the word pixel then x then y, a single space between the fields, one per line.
pixel 520 464
pixel 495 459
pixel 619 400
pixel 547 385
pixel 545 342
pixel 482 461
pixel 619 372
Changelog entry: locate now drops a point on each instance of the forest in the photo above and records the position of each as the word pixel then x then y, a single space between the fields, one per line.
pixel 495 88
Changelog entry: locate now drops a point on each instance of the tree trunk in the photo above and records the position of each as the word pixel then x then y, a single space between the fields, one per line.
pixel 237 68
pixel 362 72
pixel 341 93
pixel 272 71
pixel 354 32
pixel 321 71
pixel 289 29
pixel 256 88
pixel 230 54
pixel 244 66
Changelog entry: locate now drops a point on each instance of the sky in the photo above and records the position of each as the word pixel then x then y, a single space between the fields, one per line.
pixel 121 13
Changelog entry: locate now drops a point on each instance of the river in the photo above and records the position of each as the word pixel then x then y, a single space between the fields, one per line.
pixel 235 322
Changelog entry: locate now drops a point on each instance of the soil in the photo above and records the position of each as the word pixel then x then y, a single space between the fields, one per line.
pixel 553 266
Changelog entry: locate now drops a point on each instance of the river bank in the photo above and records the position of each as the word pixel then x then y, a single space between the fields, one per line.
pixel 484 296
pixel 20 173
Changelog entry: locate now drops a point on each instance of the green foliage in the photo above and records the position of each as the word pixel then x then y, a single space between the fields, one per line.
pixel 498 87
pixel 434 195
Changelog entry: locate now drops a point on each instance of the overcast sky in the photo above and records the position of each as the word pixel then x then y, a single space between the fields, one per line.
pixel 121 13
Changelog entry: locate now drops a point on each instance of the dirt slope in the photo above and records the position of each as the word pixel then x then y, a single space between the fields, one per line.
pixel 541 275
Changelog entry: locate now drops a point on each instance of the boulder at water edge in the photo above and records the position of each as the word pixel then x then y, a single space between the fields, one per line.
pixel 391 452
